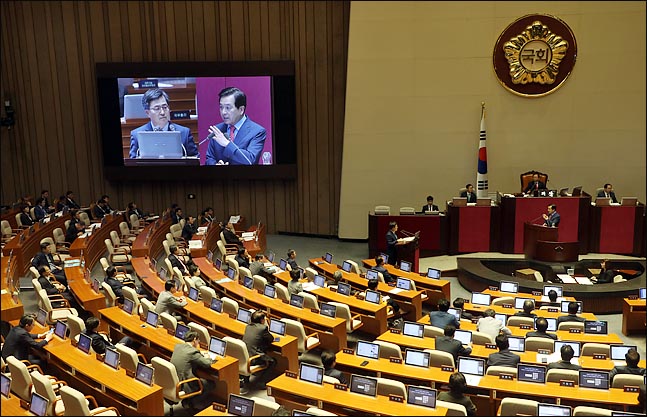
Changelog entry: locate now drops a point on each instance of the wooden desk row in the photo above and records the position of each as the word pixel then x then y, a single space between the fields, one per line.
pixel 220 324
pixel 510 311
pixel 410 301
pixel 11 306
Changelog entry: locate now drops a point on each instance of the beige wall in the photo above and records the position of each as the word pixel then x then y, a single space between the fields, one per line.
pixel 418 72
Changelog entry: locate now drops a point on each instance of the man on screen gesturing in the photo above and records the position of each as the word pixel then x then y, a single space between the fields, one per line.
pixel 238 140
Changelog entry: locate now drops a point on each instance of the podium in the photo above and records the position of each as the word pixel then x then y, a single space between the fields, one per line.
pixel 540 243
pixel 410 251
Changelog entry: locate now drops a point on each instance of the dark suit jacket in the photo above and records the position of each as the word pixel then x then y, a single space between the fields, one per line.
pixel 387 277
pixel 39 212
pixel 71 203
pixel 25 219
pixel 471 198
pixel 453 346
pixel 42 259
pixel 46 284
pixel 606 276
pixel 186 359
pixel 244 150
pixel 569 317
pixel 116 286
pixel 503 358
pixel 99 343
pixel 231 237
pixel 532 186
pixel 632 370
pixel 18 342
pixel 426 208
pixel 553 220
pixel 175 219
pixel 463 400
pixel 242 261
pixel 71 233
pixel 612 196
pixel 98 212
pixel 540 334
pixel 563 365
pixel 175 262
pixel 185 132
pixel 337 374
pixel 189 230
pixel 391 241
pixel 257 338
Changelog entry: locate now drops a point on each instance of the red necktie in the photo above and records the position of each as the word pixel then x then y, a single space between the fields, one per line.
pixel 231 133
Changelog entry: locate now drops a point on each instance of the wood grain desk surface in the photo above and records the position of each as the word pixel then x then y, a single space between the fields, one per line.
pixel 537 298
pixel 510 311
pixel 422 279
pixel 11 406
pixel 326 393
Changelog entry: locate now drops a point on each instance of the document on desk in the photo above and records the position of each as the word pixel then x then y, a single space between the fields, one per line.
pixel 407 239
pixel 195 244
pixel 309 286
pixel 234 219
pixel 583 280
pixel 566 279
pixel 202 230
pixel 223 280
pixel 247 236
pixel 395 290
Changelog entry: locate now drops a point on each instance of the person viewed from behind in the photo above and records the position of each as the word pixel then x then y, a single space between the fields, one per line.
pixel 552 299
pixel 469 193
pixel 442 318
pixel 237 140
pixel 294 286
pixel 187 359
pixel 329 360
pixel 459 303
pixel 490 325
pixel 258 339
pixel 528 307
pixel 504 357
pixel 101 341
pixel 456 394
pixel 606 275
pixel 567 353
pixel 632 358
pixel 542 325
pixel 447 343
pixel 157 108
pixel 379 267
pixel 572 314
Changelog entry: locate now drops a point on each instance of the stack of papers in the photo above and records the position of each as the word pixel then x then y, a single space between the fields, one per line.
pixel 566 279
pixel 309 286
pixel 234 219
pixel 224 280
pixel 395 290
pixel 202 230
pixel 195 244
pixel 583 280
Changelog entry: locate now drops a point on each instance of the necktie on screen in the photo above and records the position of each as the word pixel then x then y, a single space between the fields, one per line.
pixel 232 130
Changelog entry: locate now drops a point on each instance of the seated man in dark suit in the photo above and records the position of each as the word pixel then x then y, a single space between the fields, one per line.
pixel 534 185
pixel 572 314
pixel 243 258
pixel 258 339
pixel 190 228
pixel 469 193
pixel 504 357
pixel 20 340
pixel 567 353
pixel 69 201
pixel 447 343
pixel 40 210
pixel 100 210
pixel 328 359
pixel 156 106
pixel 45 258
pixel 379 267
pixel 100 341
pixel 442 318
pixel 552 299
pixel 542 326
pixel 430 206
pixel 115 284
pixel 632 357
pixel 230 235
pixel 176 261
pixel 528 307
pixel 607 192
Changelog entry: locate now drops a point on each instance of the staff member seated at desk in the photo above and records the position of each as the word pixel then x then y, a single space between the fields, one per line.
pixel 457 386
pixel 606 274
pixel 430 206
pixel 447 343
pixel 534 185
pixel 469 193
pixel 567 353
pixel 607 192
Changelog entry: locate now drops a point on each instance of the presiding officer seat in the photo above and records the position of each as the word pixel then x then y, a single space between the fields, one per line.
pixel 526 178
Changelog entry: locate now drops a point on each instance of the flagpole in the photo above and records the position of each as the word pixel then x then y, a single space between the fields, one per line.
pixel 482 186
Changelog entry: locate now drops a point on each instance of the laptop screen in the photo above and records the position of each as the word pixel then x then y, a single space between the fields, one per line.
pixel 283 264
pixel 244 315
pixel 595 327
pixel 471 366
pixel 385 257
pixel 346 266
pixel 270 256
pixel 625 414
pixel 5 385
pixel 371 274
pixel 166 144
pixel 575 345
pixel 456 312
pixel 328 310
pixel 509 286
pixel 367 350
pixel 518 302
pixel 517 344
pixel 618 352
pixel 553 410
pixel 343 288
pixel 403 283
pixel 502 317
pixel 217 346
pixel 372 296
pixel 180 330
pixel 269 291
pixel 552 324
pixel 405 266
pixel 296 300
pixel 60 329
pixel 363 385
pixel 414 329
pixel 216 304
pixel 112 358
pixel 416 358
pixel 144 373
pixel 433 273
pixel 128 305
pixel 328 257
pixel 594 379
pixel 642 293
pixel 218 264
pixel 423 396
pixel 277 326
pixel 193 293
pixel 38 404
pixel 84 343
pixel 480 299
pixel 311 373
pixel 240 406
pixel 531 373
pixel 163 274
pixel 231 273
pixel 465 336
pixel 558 289
pixel 566 303
pixel 152 318
pixel 41 317
pixel 297 413
pixel 320 281
pixel 210 256
pixel 248 282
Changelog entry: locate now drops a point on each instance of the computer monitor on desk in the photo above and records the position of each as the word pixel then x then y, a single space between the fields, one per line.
pixel 629 201
pixel 162 145
pixel 577 191
pixel 459 202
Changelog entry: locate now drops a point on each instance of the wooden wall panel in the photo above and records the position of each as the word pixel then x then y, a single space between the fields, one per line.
pixel 49 51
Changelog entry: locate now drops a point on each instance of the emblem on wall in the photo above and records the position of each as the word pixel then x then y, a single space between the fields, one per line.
pixel 534 55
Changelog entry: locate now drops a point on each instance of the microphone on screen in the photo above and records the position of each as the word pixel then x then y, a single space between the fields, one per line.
pixel 211 136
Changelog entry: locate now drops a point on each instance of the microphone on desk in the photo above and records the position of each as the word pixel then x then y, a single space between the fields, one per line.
pixel 407 234
pixel 210 136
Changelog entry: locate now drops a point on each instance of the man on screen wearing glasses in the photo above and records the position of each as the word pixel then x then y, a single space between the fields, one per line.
pixel 155 102
pixel 238 140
